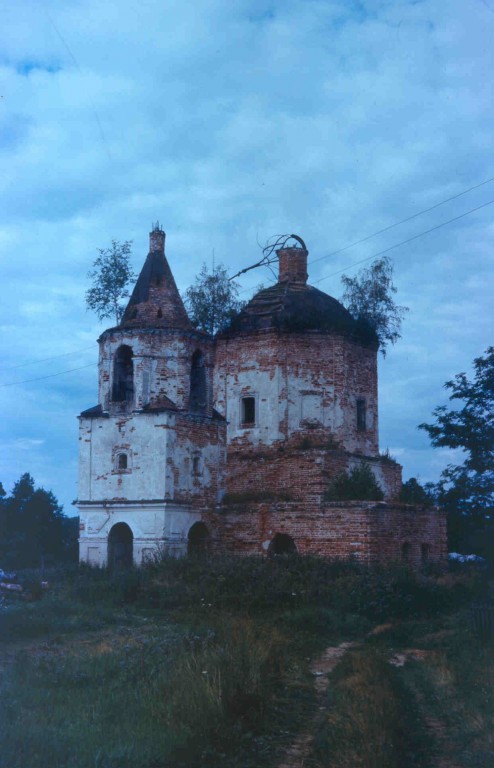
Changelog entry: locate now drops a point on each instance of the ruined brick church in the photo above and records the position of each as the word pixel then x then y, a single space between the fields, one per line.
pixel 230 443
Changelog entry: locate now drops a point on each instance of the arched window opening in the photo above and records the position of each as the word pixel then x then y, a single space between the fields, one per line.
pixel 159 314
pixel 120 547
pixel 198 393
pixel 123 375
pixel 282 544
pixel 198 539
pixel 122 461
pixel 424 552
pixel 405 552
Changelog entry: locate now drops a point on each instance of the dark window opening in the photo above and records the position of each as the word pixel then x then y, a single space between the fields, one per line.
pixel 282 544
pixel 196 465
pixel 248 411
pixel 361 415
pixel 123 375
pixel 405 552
pixel 424 552
pixel 133 314
pixel 198 396
pixel 122 461
pixel 160 313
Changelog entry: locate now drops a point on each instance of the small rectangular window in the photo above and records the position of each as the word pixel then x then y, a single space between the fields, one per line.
pixel 248 411
pixel 361 415
pixel 196 465
pixel 122 461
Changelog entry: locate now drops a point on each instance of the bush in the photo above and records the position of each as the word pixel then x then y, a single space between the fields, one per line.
pixel 359 485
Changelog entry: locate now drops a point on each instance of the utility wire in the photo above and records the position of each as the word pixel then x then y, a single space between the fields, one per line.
pixel 333 253
pixel 403 221
pixel 46 359
pixel 51 376
pixel 95 114
pixel 381 231
pixel 404 242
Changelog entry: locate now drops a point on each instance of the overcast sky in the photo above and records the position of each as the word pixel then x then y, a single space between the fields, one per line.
pixel 231 121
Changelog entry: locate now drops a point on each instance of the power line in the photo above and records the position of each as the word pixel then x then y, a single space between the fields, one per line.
pixel 403 221
pixel 379 231
pixel 51 376
pixel 47 359
pixel 404 242
pixel 95 114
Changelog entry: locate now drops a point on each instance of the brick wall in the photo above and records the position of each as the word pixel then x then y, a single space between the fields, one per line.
pixel 300 472
pixel 302 382
pixel 372 532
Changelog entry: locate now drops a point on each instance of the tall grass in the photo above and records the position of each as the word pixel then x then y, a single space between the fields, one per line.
pixel 162 702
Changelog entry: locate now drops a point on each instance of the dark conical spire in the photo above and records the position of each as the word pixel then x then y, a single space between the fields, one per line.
pixel 155 300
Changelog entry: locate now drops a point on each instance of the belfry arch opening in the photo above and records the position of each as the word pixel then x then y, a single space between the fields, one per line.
pixel 198 539
pixel 282 544
pixel 198 390
pixel 120 547
pixel 123 375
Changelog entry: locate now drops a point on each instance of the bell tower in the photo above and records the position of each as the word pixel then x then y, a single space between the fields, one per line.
pixel 152 450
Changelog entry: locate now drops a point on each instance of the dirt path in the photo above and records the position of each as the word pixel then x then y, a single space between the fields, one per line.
pixel 298 751
pixel 445 747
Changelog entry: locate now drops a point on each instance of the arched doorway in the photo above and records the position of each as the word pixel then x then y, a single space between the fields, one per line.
pixel 282 544
pixel 198 539
pixel 120 547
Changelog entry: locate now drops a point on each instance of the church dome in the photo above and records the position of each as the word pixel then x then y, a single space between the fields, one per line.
pixel 293 306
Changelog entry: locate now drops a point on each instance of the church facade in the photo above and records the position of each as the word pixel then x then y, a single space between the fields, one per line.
pixel 231 442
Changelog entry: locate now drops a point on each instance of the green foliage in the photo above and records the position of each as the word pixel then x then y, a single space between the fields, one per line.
pixel 191 662
pixel 466 490
pixel 33 529
pixel 412 492
pixel 369 298
pixel 212 302
pixel 359 485
pixel 112 275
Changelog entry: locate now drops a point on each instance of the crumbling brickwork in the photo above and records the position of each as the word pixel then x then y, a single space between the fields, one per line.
pixel 371 532
pixel 234 440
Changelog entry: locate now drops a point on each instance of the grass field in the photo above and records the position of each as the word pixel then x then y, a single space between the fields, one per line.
pixel 210 663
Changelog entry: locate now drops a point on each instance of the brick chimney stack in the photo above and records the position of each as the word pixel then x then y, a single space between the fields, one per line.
pixel 293 265
pixel 157 239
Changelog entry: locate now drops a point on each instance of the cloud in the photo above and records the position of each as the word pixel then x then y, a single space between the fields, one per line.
pixel 230 122
pixel 26 443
